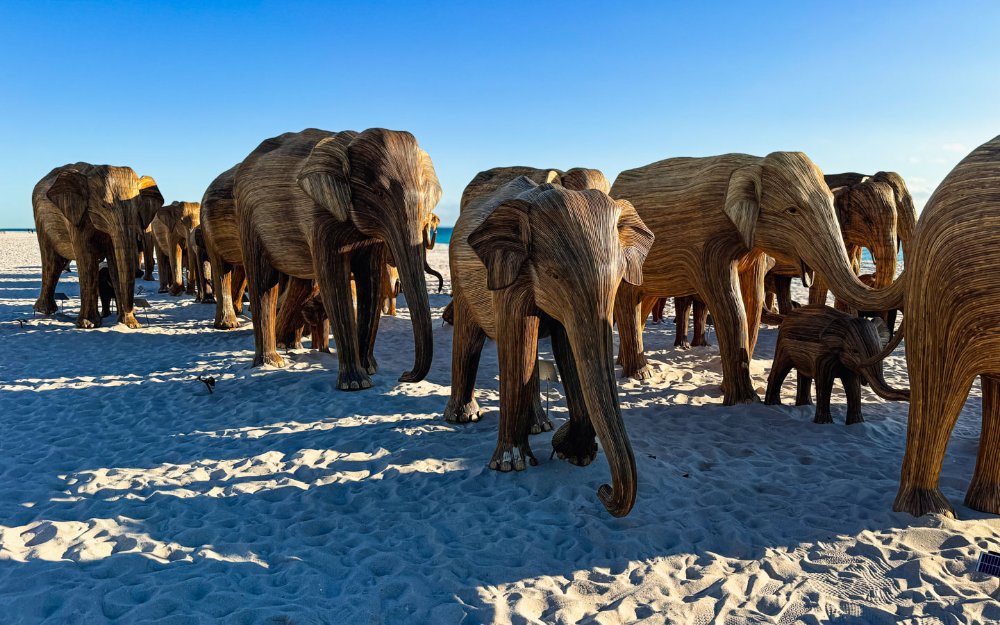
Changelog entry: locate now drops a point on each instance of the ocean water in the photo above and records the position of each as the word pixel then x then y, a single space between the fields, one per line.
pixel 444 235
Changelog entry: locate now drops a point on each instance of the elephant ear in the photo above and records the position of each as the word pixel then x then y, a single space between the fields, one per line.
pixel 325 177
pixel 743 202
pixel 150 200
pixel 70 191
pixel 636 240
pixel 431 184
pixel 842 202
pixel 503 242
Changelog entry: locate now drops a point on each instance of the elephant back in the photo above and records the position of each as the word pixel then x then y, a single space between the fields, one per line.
pixel 218 217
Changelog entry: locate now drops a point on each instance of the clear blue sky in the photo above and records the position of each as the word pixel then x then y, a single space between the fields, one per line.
pixel 183 90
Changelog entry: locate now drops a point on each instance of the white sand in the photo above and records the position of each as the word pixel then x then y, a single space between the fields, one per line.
pixel 129 494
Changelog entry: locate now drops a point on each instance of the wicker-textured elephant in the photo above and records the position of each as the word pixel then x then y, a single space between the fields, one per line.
pixel 222 243
pixel 171 227
pixel 200 265
pixel 527 260
pixel 87 212
pixel 822 343
pixel 320 206
pixel 952 327
pixel 718 218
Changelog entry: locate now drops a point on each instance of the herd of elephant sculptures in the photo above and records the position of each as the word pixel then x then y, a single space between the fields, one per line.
pixel 324 229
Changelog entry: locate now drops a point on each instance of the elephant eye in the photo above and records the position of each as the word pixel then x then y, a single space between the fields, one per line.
pixel 792 210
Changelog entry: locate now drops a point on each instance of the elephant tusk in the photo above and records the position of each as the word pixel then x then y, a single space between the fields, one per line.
pixel 806 281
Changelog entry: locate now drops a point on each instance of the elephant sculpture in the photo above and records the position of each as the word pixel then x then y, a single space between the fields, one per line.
pixel 222 243
pixel 875 212
pixel 822 343
pixel 87 212
pixel 200 264
pixel 952 327
pixel 171 227
pixel 735 210
pixel 319 205
pixel 529 260
pixel 147 252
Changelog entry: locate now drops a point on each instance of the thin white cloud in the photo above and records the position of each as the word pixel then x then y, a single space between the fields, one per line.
pixel 954 147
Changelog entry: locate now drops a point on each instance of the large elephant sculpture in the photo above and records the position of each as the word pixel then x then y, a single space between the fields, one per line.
pixel 320 205
pixel 222 243
pixel 952 327
pixel 719 217
pixel 87 212
pixel 528 260
pixel 171 227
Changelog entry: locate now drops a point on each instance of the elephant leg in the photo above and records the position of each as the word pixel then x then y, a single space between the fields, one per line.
pixel 818 291
pixel 52 266
pixel 575 442
pixel 682 311
pixel 540 423
pixel 719 286
pixel 824 388
pixel 658 306
pixel 646 306
pixel 163 260
pixel 262 278
pixel 852 387
pixel 890 321
pixel 780 369
pixel 368 265
pixel 466 348
pixel 783 292
pixel 700 321
pixel 752 290
pixel 106 291
pixel 803 390
pixel 222 277
pixel 147 257
pixel 984 491
pixel 239 286
pixel 205 285
pixel 190 261
pixel 517 348
pixel 88 269
pixel 289 325
pixel 630 348
pixel 334 273
pixel 176 281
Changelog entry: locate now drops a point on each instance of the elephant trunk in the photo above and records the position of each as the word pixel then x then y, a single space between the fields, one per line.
pixel 410 263
pixel 437 274
pixel 592 351
pixel 831 261
pixel 876 380
pixel 885 263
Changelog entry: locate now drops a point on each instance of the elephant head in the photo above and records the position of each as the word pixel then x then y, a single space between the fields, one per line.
pixel 858 343
pixel 431 231
pixel 906 214
pixel 782 206
pixel 867 214
pixel 117 202
pixel 384 184
pixel 568 251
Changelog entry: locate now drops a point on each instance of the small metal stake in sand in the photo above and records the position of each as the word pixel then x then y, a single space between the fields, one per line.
pixel 209 383
pixel 142 302
pixel 547 371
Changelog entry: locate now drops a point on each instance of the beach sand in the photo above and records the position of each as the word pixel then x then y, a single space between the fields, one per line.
pixel 130 494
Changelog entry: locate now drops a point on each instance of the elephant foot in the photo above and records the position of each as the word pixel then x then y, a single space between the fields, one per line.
pixel 540 421
pixel 176 290
pixel 682 343
pixel 272 359
pixel 285 345
pixel 46 308
pixel 105 314
pixel 921 501
pixel 370 365
pixel 983 496
pixel 746 396
pixel 353 380
pixel 823 418
pixel 208 299
pixel 772 401
pixel 573 446
pixel 130 321
pixel 512 457
pixel 190 292
pixel 147 278
pixel 163 289
pixel 87 323
pixel 462 413
pixel 803 402
pixel 854 418
pixel 700 342
pixel 227 323
pixel 643 372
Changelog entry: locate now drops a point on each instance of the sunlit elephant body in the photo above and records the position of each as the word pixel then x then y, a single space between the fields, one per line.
pixel 319 205
pixel 222 243
pixel 952 327
pixel 716 219
pixel 171 227
pixel 85 213
pixel 529 259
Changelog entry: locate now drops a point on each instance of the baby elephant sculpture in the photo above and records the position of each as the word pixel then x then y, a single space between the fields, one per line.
pixel 823 343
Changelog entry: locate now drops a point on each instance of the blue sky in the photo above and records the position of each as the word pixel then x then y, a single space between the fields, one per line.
pixel 182 91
